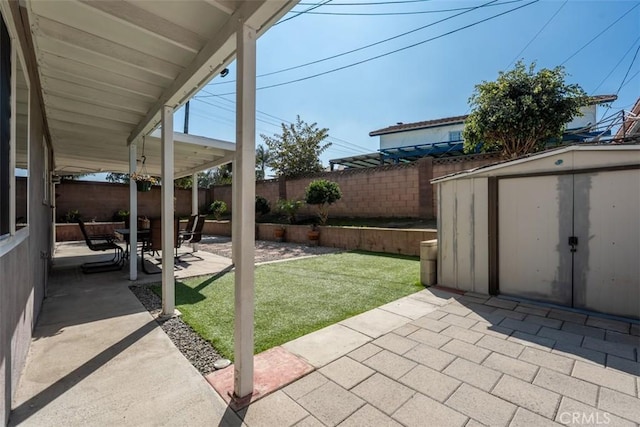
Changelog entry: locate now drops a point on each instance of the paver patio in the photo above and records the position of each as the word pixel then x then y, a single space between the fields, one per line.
pixel 433 358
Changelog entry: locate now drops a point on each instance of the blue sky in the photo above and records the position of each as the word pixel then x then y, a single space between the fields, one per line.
pixel 428 81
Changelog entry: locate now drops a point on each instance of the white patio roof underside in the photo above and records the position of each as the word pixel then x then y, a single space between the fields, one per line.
pixel 108 67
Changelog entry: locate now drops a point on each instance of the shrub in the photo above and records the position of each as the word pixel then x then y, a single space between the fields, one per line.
pixel 262 206
pixel 217 208
pixel 322 193
pixel 72 215
pixel 289 208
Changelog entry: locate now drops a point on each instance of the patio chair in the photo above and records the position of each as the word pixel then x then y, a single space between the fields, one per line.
pixel 192 237
pixel 101 243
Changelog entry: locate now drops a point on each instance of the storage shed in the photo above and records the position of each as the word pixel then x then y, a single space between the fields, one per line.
pixel 561 227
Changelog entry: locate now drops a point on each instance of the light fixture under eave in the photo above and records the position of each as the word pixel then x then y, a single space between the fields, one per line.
pixel 224 72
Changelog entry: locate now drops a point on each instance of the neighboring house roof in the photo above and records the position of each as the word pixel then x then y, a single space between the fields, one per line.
pixel 403 127
pixel 631 124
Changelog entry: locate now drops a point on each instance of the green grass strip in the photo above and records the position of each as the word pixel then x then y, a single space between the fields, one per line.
pixel 297 297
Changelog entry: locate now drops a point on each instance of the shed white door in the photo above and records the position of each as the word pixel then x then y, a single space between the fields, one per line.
pixel 601 211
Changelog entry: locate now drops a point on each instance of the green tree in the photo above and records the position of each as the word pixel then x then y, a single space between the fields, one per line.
pixel 323 194
pixel 117 177
pixel 263 159
pixel 297 150
pixel 521 111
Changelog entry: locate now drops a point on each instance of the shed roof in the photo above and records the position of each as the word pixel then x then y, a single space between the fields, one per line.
pixel 494 169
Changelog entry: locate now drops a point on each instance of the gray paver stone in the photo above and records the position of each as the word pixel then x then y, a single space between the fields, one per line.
pixel 462 334
pixel 430 382
pixel 331 403
pixel 430 324
pixel 617 349
pixel 366 351
pixel 561 336
pixel 456 308
pixel 465 350
pixel 501 303
pixel 305 385
pixel 346 372
pixel 521 325
pixel 623 365
pixel 310 421
pixel 463 322
pixel 375 323
pixel 547 360
pixel 544 321
pixel 574 413
pixel 524 418
pixel 567 316
pixel 405 330
pixel 436 315
pixel 493 330
pixel 409 307
pixel 501 346
pixel 514 367
pixel 535 311
pixel 430 357
pixel 579 353
pixel 635 329
pixel 481 406
pixel 534 398
pixel 605 377
pixel 432 339
pixel 413 413
pixel 383 393
pixel 510 314
pixel 610 324
pixel 390 364
pixel 627 339
pixel 528 340
pixel 620 404
pixel 568 386
pixel 587 331
pixel 474 374
pixel 277 409
pixel 395 343
pixel 369 416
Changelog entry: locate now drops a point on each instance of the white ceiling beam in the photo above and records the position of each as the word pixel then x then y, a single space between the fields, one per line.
pixel 84 119
pixel 98 96
pixel 71 54
pixel 206 63
pixel 94 21
pixel 75 106
pixel 124 54
pixel 225 7
pixel 153 24
pixel 218 162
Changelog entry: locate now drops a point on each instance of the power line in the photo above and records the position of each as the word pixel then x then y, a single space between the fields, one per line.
pixel 616 66
pixel 317 61
pixel 417 12
pixel 628 70
pixel 599 34
pixel 393 51
pixel 368 3
pixel 537 34
pixel 315 6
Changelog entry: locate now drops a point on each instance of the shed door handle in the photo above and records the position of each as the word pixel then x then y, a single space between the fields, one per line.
pixel 573 242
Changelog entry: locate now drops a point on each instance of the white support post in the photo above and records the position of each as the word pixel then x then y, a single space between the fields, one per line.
pixel 194 194
pixel 234 207
pixel 167 211
pixel 133 215
pixel 244 212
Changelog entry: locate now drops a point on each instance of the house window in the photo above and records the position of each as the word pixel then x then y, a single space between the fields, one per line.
pixel 14 138
pixel 455 135
pixel 5 135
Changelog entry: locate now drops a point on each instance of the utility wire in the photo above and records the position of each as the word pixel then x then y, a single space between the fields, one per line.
pixel 616 66
pixel 393 51
pixel 537 34
pixel 599 34
pixel 315 6
pixel 624 79
pixel 368 3
pixel 366 46
pixel 418 12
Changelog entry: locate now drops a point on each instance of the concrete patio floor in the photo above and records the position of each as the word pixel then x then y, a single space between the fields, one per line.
pixel 433 358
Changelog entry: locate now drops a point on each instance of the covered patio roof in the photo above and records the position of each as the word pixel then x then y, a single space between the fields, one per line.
pixel 106 69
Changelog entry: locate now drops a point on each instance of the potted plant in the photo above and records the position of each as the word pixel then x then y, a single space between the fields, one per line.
pixel 278 233
pixel 217 208
pixel 289 208
pixel 143 181
pixel 322 193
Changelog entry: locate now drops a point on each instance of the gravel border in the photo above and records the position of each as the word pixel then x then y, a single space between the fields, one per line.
pixel 197 350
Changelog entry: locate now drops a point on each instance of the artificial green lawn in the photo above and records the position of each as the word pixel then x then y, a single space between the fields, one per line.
pixel 297 297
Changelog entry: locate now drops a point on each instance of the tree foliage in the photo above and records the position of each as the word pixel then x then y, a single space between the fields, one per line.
pixel 263 159
pixel 297 150
pixel 322 193
pixel 521 111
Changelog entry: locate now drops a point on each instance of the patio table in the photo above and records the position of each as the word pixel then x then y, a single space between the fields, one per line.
pixel 124 234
